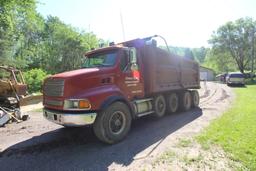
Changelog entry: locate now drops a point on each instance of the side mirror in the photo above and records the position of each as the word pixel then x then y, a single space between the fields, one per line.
pixel 133 59
pixel 132 56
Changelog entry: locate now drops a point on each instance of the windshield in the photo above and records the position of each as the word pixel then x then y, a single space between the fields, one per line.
pixel 106 59
pixel 236 75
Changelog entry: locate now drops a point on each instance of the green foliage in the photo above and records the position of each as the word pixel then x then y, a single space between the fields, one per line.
pixel 236 40
pixel 250 81
pixel 177 50
pixel 64 46
pixel 167 157
pixel 184 143
pixel 197 54
pixel 235 131
pixel 189 54
pixel 14 16
pixel 34 79
pixel 28 41
pixel 220 62
pixel 200 54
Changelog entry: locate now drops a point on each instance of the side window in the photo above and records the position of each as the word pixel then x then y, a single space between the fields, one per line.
pixel 124 61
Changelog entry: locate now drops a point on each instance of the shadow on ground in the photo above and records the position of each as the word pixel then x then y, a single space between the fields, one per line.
pixel 78 148
pixel 237 86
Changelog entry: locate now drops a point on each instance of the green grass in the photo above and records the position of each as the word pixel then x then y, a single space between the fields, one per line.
pixel 189 160
pixel 166 157
pixel 184 143
pixel 235 131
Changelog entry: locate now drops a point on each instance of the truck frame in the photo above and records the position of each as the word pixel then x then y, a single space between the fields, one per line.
pixel 119 83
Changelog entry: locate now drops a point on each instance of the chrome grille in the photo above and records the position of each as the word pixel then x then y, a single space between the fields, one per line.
pixel 53 102
pixel 54 87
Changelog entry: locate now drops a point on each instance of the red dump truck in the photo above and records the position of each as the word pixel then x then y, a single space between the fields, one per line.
pixel 119 83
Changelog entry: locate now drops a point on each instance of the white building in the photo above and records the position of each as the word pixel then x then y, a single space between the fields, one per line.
pixel 206 74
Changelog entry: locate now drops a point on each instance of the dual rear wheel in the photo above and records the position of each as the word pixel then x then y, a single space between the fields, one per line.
pixel 162 104
pixel 188 99
pixel 174 101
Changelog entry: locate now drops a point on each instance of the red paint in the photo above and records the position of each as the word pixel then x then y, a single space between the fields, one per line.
pixel 158 72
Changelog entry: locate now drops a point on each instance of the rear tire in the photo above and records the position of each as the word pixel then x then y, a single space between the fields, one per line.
pixel 185 101
pixel 159 106
pixel 113 124
pixel 172 102
pixel 195 98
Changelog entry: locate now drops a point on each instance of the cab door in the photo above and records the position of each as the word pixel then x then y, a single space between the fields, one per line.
pixel 130 80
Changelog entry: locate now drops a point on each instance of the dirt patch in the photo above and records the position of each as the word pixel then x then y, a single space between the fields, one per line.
pixel 223 96
pixel 191 156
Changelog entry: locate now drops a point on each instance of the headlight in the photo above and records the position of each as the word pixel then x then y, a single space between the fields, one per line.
pixel 78 104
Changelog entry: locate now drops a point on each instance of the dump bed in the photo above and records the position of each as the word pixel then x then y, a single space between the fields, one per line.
pixel 163 71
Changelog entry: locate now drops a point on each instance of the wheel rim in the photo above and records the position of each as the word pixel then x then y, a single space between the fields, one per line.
pixel 117 122
pixel 173 103
pixel 159 106
pixel 196 99
pixel 187 101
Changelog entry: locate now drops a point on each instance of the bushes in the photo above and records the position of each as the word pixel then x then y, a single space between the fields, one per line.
pixel 34 79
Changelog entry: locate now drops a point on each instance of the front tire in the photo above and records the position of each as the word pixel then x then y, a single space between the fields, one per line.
pixel 113 124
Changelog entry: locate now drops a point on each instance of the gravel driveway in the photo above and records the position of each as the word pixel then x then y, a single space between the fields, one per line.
pixel 37 144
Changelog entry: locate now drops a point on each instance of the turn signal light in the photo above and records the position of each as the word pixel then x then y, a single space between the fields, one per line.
pixel 77 104
pixel 84 104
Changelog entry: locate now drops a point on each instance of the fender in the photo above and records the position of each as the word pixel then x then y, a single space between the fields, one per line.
pixel 111 99
pixel 102 97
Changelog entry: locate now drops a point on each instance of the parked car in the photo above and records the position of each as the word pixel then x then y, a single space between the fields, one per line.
pixel 221 77
pixel 235 79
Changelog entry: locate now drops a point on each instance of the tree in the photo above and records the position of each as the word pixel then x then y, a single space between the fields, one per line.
pixel 235 38
pixel 29 45
pixel 13 14
pixel 29 41
pixel 189 54
pixel 64 46
pixel 219 61
pixel 200 54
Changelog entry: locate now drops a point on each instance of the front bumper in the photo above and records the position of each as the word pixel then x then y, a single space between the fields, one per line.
pixel 69 119
pixel 235 82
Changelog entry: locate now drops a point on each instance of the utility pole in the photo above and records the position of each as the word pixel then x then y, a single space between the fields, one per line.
pixel 122 25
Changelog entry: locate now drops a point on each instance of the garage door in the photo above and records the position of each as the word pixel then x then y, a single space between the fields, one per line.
pixel 203 75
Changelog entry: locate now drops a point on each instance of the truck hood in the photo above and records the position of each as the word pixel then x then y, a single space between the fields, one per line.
pixel 75 73
pixel 77 81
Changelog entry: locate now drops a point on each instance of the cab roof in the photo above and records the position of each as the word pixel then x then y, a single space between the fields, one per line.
pixel 115 47
pixel 130 43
